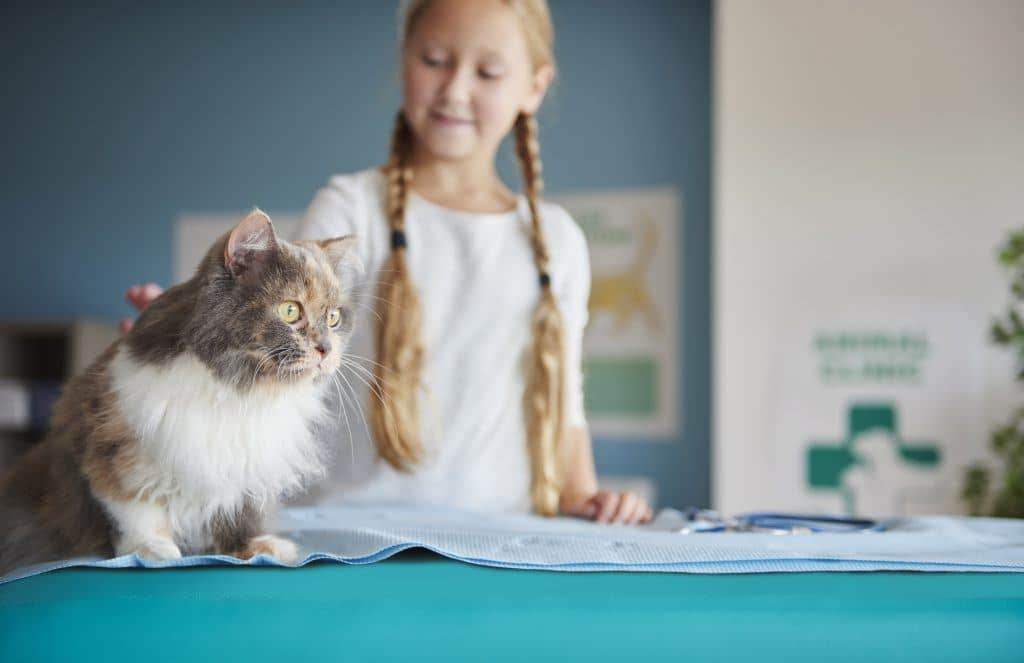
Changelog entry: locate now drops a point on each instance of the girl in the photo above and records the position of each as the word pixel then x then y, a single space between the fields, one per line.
pixel 475 395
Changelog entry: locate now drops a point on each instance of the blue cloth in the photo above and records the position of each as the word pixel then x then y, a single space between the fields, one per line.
pixel 361 535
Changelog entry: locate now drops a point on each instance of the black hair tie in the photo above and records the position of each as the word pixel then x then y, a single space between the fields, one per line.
pixel 398 239
pixel 545 280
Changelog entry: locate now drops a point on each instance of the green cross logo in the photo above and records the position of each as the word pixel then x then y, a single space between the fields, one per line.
pixel 828 461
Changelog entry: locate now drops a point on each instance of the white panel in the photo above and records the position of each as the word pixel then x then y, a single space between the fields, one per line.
pixel 862 149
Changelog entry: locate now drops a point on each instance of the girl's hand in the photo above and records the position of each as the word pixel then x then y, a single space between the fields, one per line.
pixel 139 296
pixel 611 507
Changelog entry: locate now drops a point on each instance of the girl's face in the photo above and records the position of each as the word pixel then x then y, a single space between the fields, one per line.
pixel 466 75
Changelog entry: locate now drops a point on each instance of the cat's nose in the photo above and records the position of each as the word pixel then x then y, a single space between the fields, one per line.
pixel 323 347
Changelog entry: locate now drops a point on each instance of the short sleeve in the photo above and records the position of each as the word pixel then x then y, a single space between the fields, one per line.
pixel 573 298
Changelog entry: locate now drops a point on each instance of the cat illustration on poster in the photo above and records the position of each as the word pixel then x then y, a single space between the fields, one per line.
pixel 625 295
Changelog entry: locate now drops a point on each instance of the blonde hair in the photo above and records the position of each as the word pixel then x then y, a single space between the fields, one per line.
pixel 393 405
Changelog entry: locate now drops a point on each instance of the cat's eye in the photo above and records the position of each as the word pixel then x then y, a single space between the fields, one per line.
pixel 289 311
pixel 334 317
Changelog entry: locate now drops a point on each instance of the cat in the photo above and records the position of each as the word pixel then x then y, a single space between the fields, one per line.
pixel 182 435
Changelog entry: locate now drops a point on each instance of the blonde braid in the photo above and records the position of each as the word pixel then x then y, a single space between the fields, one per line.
pixel 394 412
pixel 544 396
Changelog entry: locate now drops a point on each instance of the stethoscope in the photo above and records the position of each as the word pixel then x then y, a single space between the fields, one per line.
pixel 701 521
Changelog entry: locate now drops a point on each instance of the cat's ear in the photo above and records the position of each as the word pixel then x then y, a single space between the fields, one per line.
pixel 342 254
pixel 250 246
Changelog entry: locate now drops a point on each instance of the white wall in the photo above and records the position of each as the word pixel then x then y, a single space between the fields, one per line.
pixel 861 148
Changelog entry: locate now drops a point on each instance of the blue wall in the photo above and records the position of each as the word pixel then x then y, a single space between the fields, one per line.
pixel 118 119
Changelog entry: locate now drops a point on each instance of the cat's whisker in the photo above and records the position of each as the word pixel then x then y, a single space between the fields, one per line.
pixel 381 300
pixel 267 358
pixel 364 375
pixel 354 400
pixel 370 295
pixel 371 379
pixel 352 355
pixel 377 392
pixel 356 404
pixel 343 411
pixel 357 366
pixel 368 378
pixel 373 312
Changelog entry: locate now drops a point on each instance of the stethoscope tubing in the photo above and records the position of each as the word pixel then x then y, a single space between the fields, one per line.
pixel 817 524
pixel 780 523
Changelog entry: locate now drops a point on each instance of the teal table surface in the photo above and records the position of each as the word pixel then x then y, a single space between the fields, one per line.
pixel 417 606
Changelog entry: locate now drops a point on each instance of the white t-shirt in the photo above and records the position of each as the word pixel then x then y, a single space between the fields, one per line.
pixel 478 285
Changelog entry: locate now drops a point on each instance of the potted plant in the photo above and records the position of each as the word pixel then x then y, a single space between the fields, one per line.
pixel 1001 492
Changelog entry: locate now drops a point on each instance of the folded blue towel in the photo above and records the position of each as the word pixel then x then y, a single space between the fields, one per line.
pixel 362 535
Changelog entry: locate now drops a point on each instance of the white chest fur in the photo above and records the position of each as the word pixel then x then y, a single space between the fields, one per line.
pixel 205 447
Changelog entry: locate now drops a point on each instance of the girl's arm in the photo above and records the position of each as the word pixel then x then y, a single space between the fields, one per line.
pixel 581 496
pixel 580 493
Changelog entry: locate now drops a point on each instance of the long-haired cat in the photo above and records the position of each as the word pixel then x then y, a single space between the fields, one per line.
pixel 184 432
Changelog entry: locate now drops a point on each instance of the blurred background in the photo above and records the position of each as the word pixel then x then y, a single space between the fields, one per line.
pixel 810 194
pixel 132 129
pixel 869 164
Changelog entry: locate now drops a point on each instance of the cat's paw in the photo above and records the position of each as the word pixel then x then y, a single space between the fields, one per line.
pixel 280 549
pixel 157 550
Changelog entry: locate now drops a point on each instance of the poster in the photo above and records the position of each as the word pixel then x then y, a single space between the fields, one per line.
pixel 876 414
pixel 631 348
